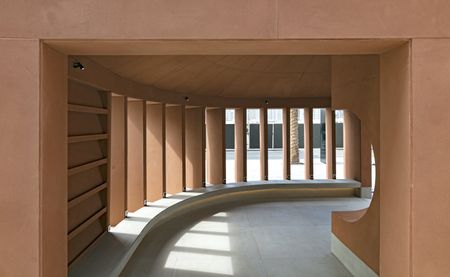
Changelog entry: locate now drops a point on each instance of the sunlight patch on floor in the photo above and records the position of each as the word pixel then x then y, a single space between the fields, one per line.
pixel 205 241
pixel 211 226
pixel 207 263
pixel 212 236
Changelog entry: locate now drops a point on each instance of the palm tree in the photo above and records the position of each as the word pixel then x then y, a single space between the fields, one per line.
pixel 294 137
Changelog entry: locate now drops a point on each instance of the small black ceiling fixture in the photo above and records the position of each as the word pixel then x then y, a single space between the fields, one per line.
pixel 266 102
pixel 186 98
pixel 78 65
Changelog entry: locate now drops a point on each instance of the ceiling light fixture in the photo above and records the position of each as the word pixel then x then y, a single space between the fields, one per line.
pixel 78 65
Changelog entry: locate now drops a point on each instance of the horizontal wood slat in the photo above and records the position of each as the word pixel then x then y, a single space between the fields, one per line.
pixel 77 200
pixel 87 109
pixel 84 167
pixel 83 138
pixel 85 224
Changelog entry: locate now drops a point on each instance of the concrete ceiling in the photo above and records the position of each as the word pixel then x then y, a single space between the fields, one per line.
pixel 228 75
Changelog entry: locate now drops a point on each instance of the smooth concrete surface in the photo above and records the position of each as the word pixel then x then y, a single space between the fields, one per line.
pixel 195 147
pixel 175 149
pixel 135 154
pixel 53 149
pixel 263 144
pixel 350 76
pixel 110 254
pixel 429 187
pixel 20 164
pixel 330 125
pixel 117 160
pixel 280 239
pixel 395 153
pixel 216 75
pixel 353 264
pixel 155 148
pixel 253 19
pixel 352 146
pixel 240 143
pixel 415 82
pixel 215 146
pixel 286 129
pixel 308 143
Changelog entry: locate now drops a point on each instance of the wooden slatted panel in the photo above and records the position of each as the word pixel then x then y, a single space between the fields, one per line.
pixel 75 139
pixel 88 139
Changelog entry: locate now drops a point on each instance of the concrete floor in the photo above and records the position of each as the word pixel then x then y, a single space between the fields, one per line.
pixel 269 239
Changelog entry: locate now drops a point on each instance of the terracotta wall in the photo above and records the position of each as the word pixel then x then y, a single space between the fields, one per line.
pixel 395 166
pixel 175 149
pixel 240 142
pixel 283 19
pixel 155 151
pixel 430 152
pixel 355 87
pixel 195 147
pixel 53 168
pixel 331 143
pixel 263 142
pixel 308 143
pixel 215 146
pixel 19 146
pixel 352 146
pixel 118 169
pixel 135 155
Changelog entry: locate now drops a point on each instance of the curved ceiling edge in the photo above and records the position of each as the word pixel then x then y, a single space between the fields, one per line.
pixel 101 78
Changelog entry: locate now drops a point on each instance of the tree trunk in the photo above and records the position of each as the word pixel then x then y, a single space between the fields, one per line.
pixel 294 137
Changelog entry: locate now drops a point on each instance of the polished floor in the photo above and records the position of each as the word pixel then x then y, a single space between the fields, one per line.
pixel 269 239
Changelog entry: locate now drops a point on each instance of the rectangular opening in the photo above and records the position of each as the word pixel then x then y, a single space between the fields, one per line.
pixel 229 146
pixel 253 145
pixel 275 143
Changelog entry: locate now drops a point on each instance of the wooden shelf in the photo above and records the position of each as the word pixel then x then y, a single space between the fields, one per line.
pixel 84 167
pixel 74 139
pixel 87 109
pixel 86 224
pixel 77 200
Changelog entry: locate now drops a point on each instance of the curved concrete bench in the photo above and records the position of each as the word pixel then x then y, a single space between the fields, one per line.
pixel 111 253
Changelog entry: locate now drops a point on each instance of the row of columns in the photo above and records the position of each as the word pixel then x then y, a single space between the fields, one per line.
pixel 158 148
pixel 241 149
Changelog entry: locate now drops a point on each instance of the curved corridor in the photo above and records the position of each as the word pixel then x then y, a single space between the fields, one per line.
pixel 267 239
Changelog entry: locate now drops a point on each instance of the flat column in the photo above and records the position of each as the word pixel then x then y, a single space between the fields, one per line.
pixel 195 147
pixel 117 160
pixel 286 143
pixel 135 154
pixel 330 143
pixel 240 144
pixel 308 143
pixel 215 145
pixel 20 94
pixel 33 167
pixel 155 151
pixel 175 149
pixel 352 146
pixel 264 161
